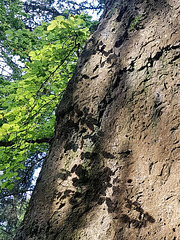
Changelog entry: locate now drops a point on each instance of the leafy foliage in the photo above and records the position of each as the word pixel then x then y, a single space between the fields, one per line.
pixel 13 202
pixel 19 35
pixel 27 106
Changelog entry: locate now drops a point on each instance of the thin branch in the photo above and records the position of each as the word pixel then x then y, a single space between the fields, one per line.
pixel 34 6
pixel 46 80
pixel 1 228
pixel 52 73
pixel 42 140
pixel 15 194
pixel 47 103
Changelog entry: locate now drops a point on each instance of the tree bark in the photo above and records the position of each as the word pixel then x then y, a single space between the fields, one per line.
pixel 113 167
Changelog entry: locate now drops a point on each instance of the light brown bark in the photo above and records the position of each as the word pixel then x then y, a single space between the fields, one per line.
pixel 113 168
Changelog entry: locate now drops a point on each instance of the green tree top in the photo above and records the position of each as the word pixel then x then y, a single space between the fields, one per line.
pixel 27 106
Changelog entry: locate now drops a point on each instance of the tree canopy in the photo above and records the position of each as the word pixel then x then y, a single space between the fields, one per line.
pixel 27 106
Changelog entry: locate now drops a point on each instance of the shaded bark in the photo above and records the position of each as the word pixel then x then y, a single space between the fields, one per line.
pixel 112 171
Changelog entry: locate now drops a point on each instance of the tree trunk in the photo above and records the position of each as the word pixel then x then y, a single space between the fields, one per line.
pixel 113 167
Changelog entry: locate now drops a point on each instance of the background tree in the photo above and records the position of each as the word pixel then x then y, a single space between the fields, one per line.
pixel 18 17
pixel 10 20
pixel 48 10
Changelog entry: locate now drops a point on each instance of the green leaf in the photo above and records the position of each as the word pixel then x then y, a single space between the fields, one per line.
pixel 10 186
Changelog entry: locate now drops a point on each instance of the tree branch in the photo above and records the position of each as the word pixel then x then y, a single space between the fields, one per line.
pixel 3 195
pixel 2 229
pixel 42 140
pixel 34 6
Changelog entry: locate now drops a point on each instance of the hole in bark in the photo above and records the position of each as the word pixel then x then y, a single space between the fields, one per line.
pixel 129 180
pixel 107 155
pixel 62 205
pixel 94 77
pixel 102 64
pixel 96 67
pixel 118 43
pixel 85 76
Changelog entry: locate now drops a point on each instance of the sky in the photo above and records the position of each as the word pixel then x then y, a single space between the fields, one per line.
pixel 94 15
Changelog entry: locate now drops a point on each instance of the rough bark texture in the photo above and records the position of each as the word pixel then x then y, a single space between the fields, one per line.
pixel 113 168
